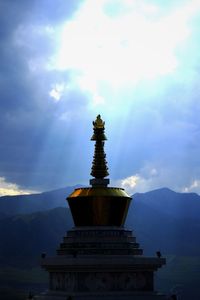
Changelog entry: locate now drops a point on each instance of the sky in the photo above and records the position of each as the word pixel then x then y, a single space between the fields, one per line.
pixel 135 62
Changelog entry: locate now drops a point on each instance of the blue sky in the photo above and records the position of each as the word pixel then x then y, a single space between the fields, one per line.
pixel 135 62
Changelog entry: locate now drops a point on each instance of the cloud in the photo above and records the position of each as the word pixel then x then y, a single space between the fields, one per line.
pixel 194 187
pixel 31 127
pixel 127 43
pixel 153 127
pixel 138 184
pixel 147 180
pixel 130 183
pixel 10 189
pixel 151 178
pixel 57 91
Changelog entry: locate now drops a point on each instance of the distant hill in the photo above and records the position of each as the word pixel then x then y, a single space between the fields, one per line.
pixel 25 237
pixel 161 220
pixel 24 204
pixel 167 221
pixel 177 205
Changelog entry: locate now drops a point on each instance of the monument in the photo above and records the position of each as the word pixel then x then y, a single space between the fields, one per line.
pixel 99 258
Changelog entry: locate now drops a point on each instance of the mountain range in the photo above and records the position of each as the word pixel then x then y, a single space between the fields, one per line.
pixel 166 220
pixel 161 219
pixel 25 204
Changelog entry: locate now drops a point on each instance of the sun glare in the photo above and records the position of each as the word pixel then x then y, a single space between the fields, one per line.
pixel 122 48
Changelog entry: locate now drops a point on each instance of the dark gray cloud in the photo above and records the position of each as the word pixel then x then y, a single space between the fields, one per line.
pixel 27 112
pixel 153 129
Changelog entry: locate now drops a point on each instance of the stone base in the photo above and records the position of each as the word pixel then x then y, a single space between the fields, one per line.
pixel 99 240
pixel 102 263
pixel 101 296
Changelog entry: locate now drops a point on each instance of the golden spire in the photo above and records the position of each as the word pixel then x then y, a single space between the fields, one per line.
pixel 99 164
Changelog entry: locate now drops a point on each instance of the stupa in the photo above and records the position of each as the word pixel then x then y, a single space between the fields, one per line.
pixel 99 258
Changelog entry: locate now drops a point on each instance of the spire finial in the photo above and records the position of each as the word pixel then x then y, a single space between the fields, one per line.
pixel 99 164
pixel 98 123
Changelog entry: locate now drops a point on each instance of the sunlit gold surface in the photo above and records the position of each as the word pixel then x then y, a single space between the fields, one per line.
pixel 100 206
pixel 99 191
